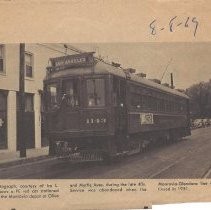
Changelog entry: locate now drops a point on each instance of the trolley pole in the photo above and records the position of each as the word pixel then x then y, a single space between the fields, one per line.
pixel 22 101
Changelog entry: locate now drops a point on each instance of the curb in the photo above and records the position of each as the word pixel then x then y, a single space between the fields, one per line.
pixel 22 161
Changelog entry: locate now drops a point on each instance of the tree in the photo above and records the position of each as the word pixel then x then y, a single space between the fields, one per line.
pixel 200 99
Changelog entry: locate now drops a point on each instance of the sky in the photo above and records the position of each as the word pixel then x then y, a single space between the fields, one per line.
pixel 190 62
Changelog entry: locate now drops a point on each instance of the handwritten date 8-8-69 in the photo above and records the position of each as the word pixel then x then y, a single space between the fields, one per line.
pixel 175 23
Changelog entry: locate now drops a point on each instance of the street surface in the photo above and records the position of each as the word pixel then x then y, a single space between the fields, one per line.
pixel 188 158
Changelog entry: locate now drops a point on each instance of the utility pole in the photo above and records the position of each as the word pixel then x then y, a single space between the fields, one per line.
pixel 22 101
pixel 200 100
pixel 172 81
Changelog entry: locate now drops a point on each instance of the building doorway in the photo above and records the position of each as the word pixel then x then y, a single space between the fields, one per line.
pixel 29 121
pixel 3 119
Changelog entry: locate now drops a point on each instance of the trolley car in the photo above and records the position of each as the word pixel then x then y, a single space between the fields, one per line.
pixel 96 110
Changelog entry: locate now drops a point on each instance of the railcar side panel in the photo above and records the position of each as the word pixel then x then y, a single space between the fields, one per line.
pixel 158 122
pixel 153 110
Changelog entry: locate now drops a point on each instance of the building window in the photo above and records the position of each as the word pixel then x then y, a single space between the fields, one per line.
pixel 1 58
pixel 28 65
pixel 29 102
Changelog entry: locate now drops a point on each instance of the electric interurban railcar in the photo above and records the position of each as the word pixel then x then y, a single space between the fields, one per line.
pixel 96 110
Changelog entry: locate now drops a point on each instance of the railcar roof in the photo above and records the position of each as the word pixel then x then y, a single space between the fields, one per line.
pixel 102 67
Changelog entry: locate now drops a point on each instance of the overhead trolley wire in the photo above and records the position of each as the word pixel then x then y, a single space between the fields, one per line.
pixel 74 50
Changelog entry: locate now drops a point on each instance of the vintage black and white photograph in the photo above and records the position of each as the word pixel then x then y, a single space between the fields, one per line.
pixel 105 110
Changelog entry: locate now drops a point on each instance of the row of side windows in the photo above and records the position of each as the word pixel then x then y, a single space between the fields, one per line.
pixel 29 62
pixel 155 102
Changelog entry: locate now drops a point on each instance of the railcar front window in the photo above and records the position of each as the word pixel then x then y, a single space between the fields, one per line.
pixel 96 92
pixel 70 93
pixel 52 96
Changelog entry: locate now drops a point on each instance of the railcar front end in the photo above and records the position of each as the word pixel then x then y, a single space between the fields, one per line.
pixel 79 115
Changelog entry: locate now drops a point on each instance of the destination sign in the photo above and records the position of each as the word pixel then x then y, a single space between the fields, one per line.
pixel 71 61
pixel 146 118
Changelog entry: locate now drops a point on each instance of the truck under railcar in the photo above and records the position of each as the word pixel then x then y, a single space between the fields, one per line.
pixel 95 110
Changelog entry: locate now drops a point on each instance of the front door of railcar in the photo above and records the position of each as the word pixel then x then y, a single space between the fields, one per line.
pixel 70 101
pixel 121 109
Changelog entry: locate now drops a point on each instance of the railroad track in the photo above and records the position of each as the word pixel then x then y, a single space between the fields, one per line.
pixel 207 174
pixel 166 168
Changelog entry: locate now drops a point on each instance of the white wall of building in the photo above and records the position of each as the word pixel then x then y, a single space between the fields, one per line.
pixel 9 80
pixel 11 120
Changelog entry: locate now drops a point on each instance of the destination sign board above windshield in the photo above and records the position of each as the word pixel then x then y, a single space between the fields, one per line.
pixel 71 61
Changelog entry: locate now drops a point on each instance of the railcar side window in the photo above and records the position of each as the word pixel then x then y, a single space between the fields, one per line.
pixel 144 102
pixel 115 91
pixel 95 92
pixel 136 100
pixel 151 102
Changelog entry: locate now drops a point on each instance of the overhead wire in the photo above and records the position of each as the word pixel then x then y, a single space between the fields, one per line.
pixel 74 50
pixel 166 69
pixel 50 48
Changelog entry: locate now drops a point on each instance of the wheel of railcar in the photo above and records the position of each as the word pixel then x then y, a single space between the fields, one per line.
pixel 52 149
pixel 106 157
pixel 159 140
pixel 173 136
pixel 145 144
pixel 110 151
pixel 167 138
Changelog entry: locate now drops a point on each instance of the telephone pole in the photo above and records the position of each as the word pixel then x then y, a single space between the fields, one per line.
pixel 172 81
pixel 22 101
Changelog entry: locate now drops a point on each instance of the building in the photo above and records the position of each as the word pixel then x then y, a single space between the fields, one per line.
pixel 36 60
